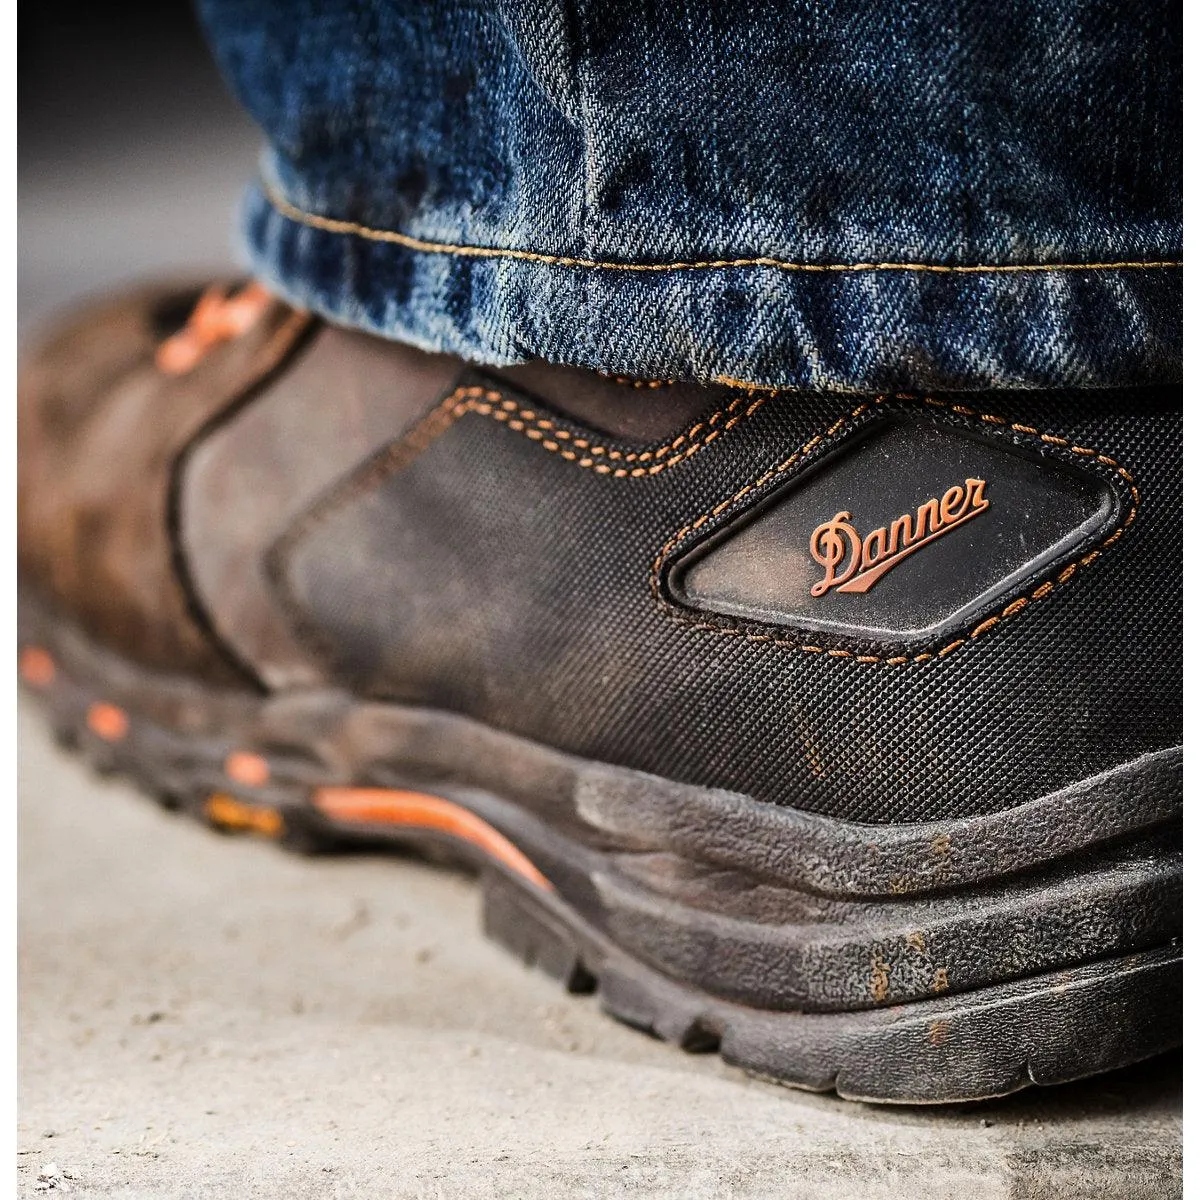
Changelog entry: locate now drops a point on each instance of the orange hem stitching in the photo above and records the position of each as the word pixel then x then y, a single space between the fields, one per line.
pixel 352 228
pixel 1012 609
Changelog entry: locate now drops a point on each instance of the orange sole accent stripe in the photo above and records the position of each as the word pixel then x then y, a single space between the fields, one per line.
pixel 36 667
pixel 250 770
pixel 229 813
pixel 415 810
pixel 107 721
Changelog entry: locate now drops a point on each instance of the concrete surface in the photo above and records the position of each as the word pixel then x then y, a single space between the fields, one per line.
pixel 206 1016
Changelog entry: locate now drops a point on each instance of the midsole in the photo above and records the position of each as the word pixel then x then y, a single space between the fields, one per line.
pixel 764 906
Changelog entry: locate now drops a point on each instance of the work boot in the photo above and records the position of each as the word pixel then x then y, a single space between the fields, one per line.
pixel 840 733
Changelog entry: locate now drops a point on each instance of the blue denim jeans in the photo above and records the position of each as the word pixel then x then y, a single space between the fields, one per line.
pixel 836 194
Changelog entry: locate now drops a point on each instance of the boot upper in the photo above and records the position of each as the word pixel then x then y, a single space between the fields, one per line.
pixel 883 608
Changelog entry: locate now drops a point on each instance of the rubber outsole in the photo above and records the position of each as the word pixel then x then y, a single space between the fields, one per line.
pixel 822 977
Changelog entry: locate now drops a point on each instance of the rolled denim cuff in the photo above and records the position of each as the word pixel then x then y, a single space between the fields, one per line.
pixel 851 326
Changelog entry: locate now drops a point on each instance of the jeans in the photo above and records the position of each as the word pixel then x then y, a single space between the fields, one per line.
pixel 842 195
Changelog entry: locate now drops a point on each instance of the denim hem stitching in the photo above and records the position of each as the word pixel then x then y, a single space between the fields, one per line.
pixel 332 225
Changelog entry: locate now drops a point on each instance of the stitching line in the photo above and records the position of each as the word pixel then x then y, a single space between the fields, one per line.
pixel 1010 610
pixel 486 402
pixel 333 225
pixel 582 452
pixel 629 381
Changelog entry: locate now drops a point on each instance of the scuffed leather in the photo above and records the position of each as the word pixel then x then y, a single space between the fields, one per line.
pixel 252 475
pixel 99 431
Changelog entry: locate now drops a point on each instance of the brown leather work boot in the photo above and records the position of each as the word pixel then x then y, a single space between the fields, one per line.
pixel 838 732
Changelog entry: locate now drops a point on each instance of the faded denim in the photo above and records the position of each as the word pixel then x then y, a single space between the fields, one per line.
pixel 839 194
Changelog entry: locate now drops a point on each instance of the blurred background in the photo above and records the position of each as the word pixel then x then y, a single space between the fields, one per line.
pixel 132 155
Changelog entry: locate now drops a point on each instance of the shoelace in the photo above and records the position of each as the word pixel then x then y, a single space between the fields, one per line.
pixel 218 317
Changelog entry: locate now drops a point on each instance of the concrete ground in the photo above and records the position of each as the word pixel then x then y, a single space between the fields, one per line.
pixel 207 1017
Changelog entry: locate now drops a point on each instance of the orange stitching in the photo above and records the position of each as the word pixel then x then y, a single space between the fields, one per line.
pixel 492 404
pixel 332 225
pixel 1010 610
pixel 630 381
pixel 398 454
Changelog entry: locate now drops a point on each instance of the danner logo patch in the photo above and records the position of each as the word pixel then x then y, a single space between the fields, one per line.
pixel 854 563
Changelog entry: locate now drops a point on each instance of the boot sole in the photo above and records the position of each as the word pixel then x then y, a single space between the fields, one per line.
pixel 914 964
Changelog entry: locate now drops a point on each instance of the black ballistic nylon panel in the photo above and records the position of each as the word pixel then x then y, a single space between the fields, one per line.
pixel 489 577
